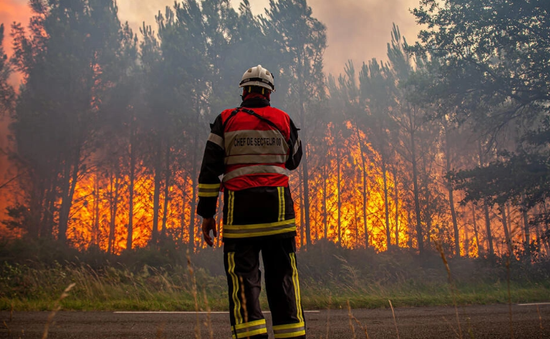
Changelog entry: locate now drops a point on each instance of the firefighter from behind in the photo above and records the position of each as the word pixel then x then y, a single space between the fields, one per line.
pixel 254 147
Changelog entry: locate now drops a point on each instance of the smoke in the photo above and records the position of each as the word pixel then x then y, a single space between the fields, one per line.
pixel 360 30
pixel 356 30
pixel 138 11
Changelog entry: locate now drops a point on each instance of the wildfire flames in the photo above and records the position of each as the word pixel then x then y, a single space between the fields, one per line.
pixel 337 210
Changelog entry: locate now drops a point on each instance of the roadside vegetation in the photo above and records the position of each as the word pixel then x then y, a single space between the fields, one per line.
pixel 34 274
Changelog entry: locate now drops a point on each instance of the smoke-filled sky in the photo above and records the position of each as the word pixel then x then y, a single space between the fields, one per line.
pixel 356 29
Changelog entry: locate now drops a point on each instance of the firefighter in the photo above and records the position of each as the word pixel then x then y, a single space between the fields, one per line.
pixel 254 146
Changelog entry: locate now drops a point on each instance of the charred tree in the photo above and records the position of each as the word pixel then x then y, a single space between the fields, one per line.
pixel 157 166
pixel 166 191
pixel 386 203
pixel 449 168
pixel 396 203
pixel 476 235
pixel 114 209
pixel 507 238
pixel 131 184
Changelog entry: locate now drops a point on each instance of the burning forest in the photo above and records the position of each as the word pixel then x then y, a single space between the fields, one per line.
pixel 108 127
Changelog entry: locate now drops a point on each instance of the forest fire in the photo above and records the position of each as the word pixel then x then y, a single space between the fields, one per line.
pixel 113 162
pixel 100 211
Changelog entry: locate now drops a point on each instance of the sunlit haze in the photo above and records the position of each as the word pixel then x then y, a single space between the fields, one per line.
pixel 356 30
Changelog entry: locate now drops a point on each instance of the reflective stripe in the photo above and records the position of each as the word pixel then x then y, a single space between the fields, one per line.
pixel 230 207
pixel 255 142
pixel 250 329
pixel 258 169
pixel 235 283
pixel 289 330
pixel 216 139
pixel 209 190
pixel 250 324
pixel 290 335
pixel 296 146
pixel 256 159
pixel 258 230
pixel 281 191
pixel 296 283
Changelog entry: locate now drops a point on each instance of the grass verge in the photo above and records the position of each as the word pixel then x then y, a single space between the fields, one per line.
pixel 24 288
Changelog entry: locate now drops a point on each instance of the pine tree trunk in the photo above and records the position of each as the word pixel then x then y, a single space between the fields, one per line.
pixel 42 206
pixel 386 207
pixel 95 227
pixel 38 203
pixel 466 241
pixel 419 235
pixel 325 214
pixel 396 198
pixel 507 238
pixel 537 231
pixel 194 184
pixel 166 192
pixel 305 182
pixel 448 168
pixel 365 191
pixel 156 197
pixel 69 186
pixel 114 209
pixel 305 170
pixel 488 229
pixel 476 235
pixel 527 230
pixel 409 229
pixel 302 219
pixel 339 192
pixel 130 234
pixel 486 209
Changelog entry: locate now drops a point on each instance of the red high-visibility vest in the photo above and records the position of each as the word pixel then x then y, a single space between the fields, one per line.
pixel 256 147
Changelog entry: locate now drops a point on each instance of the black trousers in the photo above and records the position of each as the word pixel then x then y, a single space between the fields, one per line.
pixel 242 267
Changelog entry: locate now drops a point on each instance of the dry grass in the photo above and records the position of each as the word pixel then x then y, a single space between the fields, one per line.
pixel 56 308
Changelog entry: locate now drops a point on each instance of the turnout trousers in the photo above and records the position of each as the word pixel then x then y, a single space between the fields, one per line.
pixel 242 266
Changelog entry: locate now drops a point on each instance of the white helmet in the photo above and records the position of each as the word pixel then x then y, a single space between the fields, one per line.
pixel 258 76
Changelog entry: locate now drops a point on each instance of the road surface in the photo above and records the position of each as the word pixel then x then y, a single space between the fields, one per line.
pixel 528 321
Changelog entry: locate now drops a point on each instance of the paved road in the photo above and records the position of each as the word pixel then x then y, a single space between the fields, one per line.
pixel 423 322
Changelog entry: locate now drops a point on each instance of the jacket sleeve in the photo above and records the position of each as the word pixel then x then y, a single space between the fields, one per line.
pixel 295 148
pixel 211 169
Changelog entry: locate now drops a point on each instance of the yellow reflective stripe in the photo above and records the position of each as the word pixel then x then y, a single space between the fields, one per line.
pixel 288 326
pixel 266 225
pixel 230 207
pixel 281 191
pixel 290 335
pixel 258 234
pixel 208 194
pixel 257 230
pixel 296 283
pixel 250 324
pixel 209 186
pixel 251 333
pixel 234 293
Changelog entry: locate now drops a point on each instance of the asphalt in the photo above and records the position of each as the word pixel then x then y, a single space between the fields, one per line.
pixel 493 321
